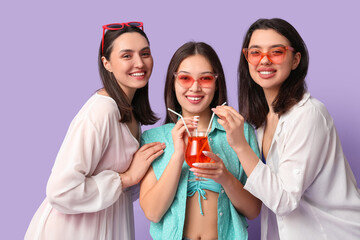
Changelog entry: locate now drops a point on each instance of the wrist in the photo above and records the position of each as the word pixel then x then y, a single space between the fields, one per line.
pixel 178 154
pixel 240 148
pixel 125 180
pixel 178 157
pixel 229 181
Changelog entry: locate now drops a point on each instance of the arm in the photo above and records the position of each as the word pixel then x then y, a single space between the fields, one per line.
pixel 301 160
pixel 233 124
pixel 156 196
pixel 73 188
pixel 141 162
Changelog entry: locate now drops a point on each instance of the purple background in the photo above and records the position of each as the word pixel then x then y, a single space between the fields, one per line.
pixel 49 70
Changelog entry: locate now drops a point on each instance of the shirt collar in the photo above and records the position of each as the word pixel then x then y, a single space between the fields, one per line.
pixel 299 104
pixel 283 118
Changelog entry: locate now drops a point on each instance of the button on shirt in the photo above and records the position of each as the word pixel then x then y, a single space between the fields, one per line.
pixel 231 224
pixel 307 187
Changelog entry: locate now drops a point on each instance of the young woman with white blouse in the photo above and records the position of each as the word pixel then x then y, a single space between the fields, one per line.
pixel 97 170
pixel 304 180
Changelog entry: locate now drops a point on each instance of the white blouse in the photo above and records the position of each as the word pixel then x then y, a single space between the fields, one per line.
pixel 307 187
pixel 85 199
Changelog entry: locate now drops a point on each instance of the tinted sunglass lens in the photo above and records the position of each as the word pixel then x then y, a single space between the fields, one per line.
pixel 135 24
pixel 115 26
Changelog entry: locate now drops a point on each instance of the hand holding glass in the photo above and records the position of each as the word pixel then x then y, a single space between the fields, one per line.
pixel 197 143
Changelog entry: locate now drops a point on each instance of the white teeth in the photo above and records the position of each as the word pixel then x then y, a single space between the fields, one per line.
pixel 266 72
pixel 194 98
pixel 138 74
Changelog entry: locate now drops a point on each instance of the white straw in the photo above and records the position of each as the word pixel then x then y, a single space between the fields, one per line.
pixel 212 117
pixel 181 119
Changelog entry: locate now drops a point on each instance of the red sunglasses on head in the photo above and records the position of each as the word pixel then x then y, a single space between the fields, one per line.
pixel 118 26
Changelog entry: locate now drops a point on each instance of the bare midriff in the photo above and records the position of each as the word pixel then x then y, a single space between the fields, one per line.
pixel 199 226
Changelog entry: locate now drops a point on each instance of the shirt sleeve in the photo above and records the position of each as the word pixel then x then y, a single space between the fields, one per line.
pixel 72 188
pixel 301 156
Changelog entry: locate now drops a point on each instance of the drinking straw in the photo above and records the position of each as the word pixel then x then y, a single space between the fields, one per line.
pixel 181 119
pixel 212 116
pixel 196 118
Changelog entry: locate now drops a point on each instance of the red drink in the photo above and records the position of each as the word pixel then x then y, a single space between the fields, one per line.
pixel 196 144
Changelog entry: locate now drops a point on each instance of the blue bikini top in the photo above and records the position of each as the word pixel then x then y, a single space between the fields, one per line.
pixel 199 186
pixel 263 158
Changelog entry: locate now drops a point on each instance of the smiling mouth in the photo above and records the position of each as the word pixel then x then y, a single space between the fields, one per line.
pixel 138 74
pixel 266 72
pixel 194 98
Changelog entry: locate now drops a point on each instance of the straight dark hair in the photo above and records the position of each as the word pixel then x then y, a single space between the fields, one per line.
pixel 187 50
pixel 251 97
pixel 139 105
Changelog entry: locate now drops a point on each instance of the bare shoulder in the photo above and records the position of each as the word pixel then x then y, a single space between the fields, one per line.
pixel 103 92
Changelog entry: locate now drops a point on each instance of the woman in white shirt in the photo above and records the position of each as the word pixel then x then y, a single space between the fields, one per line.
pixel 304 180
pixel 97 170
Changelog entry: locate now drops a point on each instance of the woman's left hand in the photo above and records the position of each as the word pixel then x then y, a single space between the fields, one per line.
pixel 215 170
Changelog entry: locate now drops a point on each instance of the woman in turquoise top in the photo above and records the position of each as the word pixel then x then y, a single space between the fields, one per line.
pixel 177 208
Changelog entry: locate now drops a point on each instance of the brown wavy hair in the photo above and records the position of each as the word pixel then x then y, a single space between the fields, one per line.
pixel 251 98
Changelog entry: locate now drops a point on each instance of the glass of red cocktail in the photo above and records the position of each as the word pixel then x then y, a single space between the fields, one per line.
pixel 197 143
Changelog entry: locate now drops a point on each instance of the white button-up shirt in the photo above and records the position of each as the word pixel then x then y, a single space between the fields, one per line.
pixel 307 187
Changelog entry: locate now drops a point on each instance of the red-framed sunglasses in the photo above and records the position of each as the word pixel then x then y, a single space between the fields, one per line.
pixel 275 55
pixel 118 26
pixel 205 80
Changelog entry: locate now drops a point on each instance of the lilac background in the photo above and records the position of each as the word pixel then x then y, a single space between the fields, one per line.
pixel 49 69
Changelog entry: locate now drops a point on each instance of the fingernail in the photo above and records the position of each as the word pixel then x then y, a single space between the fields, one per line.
pixel 191 169
pixel 195 164
pixel 204 152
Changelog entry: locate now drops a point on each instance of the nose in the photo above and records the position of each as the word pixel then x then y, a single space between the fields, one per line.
pixel 138 61
pixel 265 60
pixel 195 87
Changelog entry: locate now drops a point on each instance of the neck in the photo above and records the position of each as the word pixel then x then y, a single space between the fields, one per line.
pixel 270 97
pixel 130 94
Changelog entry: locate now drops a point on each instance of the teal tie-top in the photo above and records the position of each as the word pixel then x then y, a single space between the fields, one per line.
pixel 199 186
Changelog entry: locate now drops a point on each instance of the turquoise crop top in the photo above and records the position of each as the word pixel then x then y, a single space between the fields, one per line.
pixel 199 186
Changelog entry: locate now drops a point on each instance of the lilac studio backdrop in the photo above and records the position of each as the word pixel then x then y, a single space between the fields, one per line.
pixel 49 69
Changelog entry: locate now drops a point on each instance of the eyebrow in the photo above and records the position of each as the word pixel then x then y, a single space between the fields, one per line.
pixel 130 50
pixel 272 46
pixel 206 72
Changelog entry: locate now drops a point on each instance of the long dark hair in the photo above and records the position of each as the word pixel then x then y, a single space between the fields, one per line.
pixel 252 102
pixel 139 105
pixel 186 50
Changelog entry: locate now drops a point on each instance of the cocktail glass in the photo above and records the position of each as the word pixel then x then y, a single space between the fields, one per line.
pixel 197 143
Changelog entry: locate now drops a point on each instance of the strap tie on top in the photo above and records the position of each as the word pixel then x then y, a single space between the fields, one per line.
pixel 201 193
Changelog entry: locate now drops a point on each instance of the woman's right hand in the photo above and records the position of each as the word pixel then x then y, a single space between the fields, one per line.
pixel 179 135
pixel 233 123
pixel 141 162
